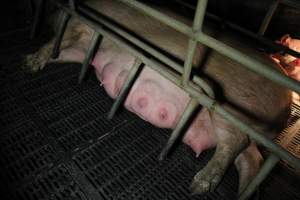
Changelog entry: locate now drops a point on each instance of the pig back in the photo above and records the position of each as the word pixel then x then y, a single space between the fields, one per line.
pixel 249 95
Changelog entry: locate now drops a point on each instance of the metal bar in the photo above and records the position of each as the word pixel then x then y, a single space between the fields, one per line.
pixel 191 89
pixel 189 110
pixel 292 3
pixel 274 148
pixel 89 12
pixel 264 70
pixel 95 41
pixel 72 4
pixel 270 44
pixel 275 47
pixel 177 25
pixel 197 27
pixel 63 21
pixel 137 66
pixel 224 49
pixel 37 18
pixel 264 25
pixel 268 165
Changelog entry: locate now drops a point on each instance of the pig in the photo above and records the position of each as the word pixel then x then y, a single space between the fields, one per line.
pixel 257 101
pixel 289 63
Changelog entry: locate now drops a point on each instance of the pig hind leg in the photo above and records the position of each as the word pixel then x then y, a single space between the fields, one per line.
pixel 230 142
pixel 39 59
pixel 248 164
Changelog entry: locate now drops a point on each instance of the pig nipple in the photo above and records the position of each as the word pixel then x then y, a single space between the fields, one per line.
pixel 142 102
pixel 163 114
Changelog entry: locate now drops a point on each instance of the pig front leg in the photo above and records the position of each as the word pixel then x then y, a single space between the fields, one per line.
pixel 230 142
pixel 72 48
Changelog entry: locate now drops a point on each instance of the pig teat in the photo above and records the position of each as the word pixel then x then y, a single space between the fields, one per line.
pixel 165 114
pixel 150 101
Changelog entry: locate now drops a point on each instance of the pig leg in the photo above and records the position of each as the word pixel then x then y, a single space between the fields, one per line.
pixel 73 34
pixel 248 164
pixel 230 142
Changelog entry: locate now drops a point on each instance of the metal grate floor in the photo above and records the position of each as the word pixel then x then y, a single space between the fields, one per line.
pixel 56 143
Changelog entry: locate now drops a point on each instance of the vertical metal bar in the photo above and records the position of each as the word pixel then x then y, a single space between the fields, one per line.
pixel 189 110
pixel 63 21
pixel 269 164
pixel 264 25
pixel 197 27
pixel 72 4
pixel 95 41
pixel 137 66
pixel 37 18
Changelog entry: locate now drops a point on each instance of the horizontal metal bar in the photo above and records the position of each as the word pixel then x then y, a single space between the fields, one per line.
pixel 268 165
pixel 275 47
pixel 224 49
pixel 192 90
pixel 252 64
pixel 292 3
pixel 177 25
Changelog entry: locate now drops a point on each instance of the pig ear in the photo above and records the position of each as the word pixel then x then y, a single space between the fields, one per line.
pixel 285 39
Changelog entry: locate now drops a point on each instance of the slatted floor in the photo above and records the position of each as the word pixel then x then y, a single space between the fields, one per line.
pixel 56 143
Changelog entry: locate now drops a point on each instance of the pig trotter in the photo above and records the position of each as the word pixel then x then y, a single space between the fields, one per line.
pixel 39 59
pixel 208 178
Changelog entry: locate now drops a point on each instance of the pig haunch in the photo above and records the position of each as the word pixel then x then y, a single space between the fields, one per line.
pixel 162 103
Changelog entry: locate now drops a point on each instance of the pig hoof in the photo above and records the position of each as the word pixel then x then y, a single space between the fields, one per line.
pixel 206 180
pixel 35 62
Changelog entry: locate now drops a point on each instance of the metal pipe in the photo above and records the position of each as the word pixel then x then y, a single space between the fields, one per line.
pixel 264 70
pixel 292 3
pixel 265 23
pixel 37 18
pixel 268 165
pixel 197 27
pixel 224 49
pixel 186 115
pixel 192 90
pixel 95 41
pixel 63 21
pixel 274 47
pixel 177 67
pixel 72 4
pixel 137 67
pixel 274 148
pixel 177 25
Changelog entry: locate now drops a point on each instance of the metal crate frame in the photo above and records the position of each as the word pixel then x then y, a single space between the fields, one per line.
pixel 183 78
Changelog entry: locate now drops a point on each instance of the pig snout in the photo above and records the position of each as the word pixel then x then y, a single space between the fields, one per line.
pixel 147 101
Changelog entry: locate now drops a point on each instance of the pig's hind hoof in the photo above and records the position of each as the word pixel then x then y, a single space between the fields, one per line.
pixel 206 180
